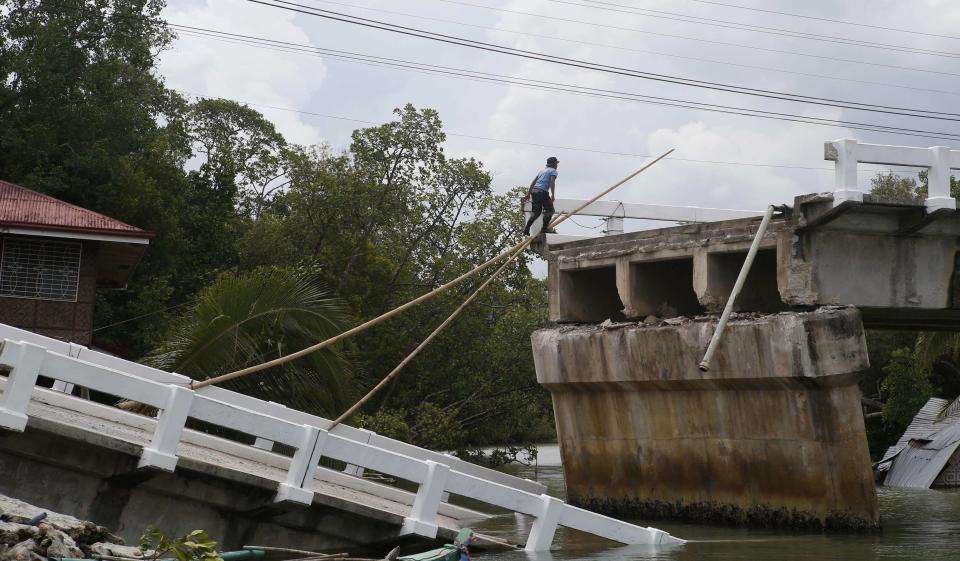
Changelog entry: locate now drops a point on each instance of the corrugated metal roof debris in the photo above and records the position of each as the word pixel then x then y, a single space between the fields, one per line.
pixel 925 448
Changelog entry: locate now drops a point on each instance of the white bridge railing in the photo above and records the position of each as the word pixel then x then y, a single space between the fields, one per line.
pixel 938 160
pixel 29 355
pixel 614 213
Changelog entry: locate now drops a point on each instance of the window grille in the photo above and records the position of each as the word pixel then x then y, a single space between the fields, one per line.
pixel 43 269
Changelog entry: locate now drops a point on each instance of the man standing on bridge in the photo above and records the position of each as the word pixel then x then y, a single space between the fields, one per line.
pixel 543 191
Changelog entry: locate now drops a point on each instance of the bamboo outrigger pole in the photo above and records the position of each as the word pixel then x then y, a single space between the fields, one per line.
pixel 511 252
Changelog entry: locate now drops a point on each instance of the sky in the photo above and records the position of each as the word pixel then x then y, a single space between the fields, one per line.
pixel 732 42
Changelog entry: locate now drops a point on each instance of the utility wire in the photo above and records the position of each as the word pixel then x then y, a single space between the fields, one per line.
pixel 689 38
pixel 817 18
pixel 148 314
pixel 532 55
pixel 644 51
pixel 552 146
pixel 728 24
pixel 284 46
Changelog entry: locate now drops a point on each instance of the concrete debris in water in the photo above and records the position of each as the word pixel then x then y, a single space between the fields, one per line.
pixel 57 536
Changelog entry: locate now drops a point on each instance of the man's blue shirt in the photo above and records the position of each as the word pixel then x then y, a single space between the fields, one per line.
pixel 543 180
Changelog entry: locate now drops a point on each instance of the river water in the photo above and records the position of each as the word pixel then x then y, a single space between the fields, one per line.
pixel 920 525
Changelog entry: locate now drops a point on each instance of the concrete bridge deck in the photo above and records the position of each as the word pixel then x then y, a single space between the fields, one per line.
pixel 896 260
pixel 129 470
pixel 96 448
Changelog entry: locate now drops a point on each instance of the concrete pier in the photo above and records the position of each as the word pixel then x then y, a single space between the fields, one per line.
pixel 773 434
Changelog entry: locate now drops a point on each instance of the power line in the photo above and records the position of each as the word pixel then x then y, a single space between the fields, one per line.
pixel 697 39
pixel 643 51
pixel 543 145
pixel 284 46
pixel 817 18
pixel 728 24
pixel 148 314
pixel 533 55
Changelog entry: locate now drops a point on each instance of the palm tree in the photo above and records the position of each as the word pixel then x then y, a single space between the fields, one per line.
pixel 242 320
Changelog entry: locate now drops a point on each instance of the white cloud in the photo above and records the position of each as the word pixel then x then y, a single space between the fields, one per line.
pixel 202 66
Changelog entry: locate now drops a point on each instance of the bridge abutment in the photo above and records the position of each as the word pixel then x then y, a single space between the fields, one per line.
pixel 773 434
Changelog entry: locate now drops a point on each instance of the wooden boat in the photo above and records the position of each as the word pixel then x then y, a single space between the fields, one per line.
pixel 456 551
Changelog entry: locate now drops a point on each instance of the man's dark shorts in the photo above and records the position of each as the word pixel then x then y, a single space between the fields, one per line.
pixel 541 202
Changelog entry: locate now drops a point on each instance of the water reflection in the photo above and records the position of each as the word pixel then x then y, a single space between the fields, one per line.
pixel 919 525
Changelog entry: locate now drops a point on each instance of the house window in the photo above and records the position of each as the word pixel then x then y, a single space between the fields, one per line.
pixel 44 269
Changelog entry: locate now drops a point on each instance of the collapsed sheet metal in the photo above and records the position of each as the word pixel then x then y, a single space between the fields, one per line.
pixel 925 448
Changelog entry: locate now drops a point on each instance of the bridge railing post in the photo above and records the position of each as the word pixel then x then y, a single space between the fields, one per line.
pixel 545 526
pixel 423 516
pixel 938 180
pixel 162 451
pixel 844 152
pixel 25 360
pixel 303 466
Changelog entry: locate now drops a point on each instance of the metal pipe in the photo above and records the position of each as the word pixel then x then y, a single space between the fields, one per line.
pixel 737 286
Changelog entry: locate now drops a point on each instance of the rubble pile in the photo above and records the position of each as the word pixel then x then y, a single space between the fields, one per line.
pixel 28 533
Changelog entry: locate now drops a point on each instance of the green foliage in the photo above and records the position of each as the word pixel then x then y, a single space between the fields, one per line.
pixel 241 152
pixel 242 320
pixel 892 186
pixel 437 428
pixel 195 546
pixel 906 388
pixel 388 422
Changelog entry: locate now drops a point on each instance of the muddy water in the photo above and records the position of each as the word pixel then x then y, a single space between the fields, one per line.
pixel 917 525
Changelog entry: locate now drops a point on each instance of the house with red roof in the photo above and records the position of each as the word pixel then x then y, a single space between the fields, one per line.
pixel 53 258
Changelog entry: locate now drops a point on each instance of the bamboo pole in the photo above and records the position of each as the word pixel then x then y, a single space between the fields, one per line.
pixel 383 317
pixel 741 278
pixel 393 373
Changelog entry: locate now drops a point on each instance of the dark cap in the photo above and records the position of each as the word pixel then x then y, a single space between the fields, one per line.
pixel 552 160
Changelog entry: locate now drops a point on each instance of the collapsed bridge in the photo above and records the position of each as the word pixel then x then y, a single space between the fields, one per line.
pixel 773 433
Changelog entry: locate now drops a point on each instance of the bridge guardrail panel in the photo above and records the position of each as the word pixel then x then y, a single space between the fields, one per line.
pixel 493 493
pixel 377 459
pixel 269 408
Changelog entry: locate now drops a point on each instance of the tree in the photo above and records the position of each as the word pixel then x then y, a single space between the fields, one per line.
pixel 79 101
pixel 388 220
pixel 891 186
pixel 906 387
pixel 243 320
pixel 241 153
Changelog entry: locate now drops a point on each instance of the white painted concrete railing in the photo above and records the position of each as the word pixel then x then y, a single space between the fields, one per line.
pixel 33 355
pixel 615 212
pixel 847 153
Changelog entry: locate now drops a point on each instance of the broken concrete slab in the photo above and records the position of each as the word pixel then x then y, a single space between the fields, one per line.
pixel 815 255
